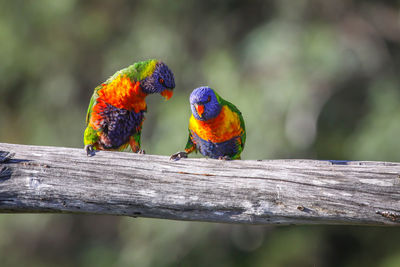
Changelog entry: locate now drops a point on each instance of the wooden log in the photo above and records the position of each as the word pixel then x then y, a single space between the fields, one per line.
pixel 64 180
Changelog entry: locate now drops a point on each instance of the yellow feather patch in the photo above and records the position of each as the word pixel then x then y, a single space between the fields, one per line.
pixel 222 128
pixel 148 70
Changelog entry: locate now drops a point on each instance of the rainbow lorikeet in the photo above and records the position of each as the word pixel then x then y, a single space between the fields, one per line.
pixel 216 127
pixel 116 111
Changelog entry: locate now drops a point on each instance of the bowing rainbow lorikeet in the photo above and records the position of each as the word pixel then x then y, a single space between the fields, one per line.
pixel 216 127
pixel 116 111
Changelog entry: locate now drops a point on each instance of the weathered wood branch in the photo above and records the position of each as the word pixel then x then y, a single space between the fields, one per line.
pixel 55 179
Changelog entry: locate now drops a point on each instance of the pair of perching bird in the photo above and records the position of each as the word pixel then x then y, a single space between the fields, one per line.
pixel 116 113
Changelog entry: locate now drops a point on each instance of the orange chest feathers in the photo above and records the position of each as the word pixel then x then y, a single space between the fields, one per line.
pixel 123 93
pixel 219 129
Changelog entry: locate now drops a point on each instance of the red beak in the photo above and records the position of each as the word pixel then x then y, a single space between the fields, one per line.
pixel 199 109
pixel 167 94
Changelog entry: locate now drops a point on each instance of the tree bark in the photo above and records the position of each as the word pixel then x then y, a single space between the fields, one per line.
pixel 40 179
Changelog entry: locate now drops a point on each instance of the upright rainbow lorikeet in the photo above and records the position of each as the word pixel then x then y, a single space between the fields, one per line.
pixel 116 111
pixel 216 127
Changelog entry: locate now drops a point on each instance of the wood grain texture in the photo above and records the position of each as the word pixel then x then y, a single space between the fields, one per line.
pixel 56 179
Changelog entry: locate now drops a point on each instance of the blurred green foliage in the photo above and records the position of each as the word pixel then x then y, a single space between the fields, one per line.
pixel 313 79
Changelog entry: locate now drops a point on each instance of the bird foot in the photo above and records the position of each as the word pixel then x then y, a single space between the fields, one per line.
pixel 141 152
pixel 90 151
pixel 224 158
pixel 179 155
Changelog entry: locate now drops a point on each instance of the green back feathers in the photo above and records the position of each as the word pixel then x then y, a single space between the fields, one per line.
pixel 136 72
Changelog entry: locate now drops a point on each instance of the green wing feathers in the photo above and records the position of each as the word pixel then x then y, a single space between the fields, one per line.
pixel 190 146
pixel 93 102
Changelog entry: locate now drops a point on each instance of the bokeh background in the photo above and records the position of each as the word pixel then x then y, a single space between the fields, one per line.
pixel 313 78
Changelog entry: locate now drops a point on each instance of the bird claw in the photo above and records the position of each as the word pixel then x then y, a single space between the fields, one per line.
pixel 141 152
pixel 90 151
pixel 179 155
pixel 224 158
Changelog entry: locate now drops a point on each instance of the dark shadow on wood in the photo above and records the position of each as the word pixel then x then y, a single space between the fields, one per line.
pixel 5 174
pixel 5 156
pixel 339 162
pixel 8 157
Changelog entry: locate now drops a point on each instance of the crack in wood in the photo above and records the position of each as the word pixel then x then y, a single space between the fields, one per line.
pixel 394 217
pixel 301 208
pixel 306 210
pixel 202 174
pixel 28 163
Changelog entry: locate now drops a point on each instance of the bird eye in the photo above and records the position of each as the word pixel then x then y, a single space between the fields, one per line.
pixel 209 98
pixel 161 80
